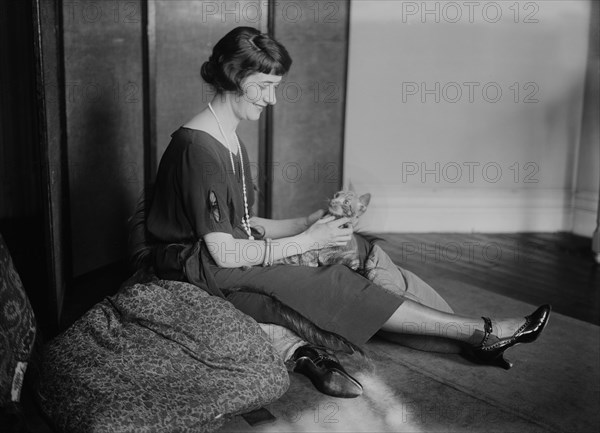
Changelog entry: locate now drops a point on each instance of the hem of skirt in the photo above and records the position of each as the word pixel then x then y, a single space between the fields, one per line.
pixel 379 309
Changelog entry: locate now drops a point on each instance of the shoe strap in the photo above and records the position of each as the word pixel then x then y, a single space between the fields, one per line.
pixel 487 328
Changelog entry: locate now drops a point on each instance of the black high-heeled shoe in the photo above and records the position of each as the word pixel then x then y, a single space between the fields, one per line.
pixel 491 349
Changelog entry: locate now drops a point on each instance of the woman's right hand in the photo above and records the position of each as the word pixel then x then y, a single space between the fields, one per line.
pixel 328 232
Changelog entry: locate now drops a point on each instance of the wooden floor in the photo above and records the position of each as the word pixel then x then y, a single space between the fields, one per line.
pixel 538 268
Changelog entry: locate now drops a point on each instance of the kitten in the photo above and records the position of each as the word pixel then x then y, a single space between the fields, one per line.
pixel 343 204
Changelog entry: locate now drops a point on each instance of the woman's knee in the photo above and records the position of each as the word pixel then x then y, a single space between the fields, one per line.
pixel 424 293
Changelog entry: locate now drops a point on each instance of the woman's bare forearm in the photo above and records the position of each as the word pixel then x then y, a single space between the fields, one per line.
pixel 276 229
pixel 229 252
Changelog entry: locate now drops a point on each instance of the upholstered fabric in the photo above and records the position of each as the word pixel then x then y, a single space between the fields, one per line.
pixel 160 356
pixel 17 329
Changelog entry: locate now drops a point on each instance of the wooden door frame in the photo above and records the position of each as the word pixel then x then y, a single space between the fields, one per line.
pixel 48 33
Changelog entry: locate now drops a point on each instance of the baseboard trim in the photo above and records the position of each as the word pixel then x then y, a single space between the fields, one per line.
pixel 397 209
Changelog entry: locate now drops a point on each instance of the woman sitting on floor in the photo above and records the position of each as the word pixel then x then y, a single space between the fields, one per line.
pixel 203 199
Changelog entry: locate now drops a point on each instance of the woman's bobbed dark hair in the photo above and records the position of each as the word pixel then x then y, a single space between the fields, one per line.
pixel 241 52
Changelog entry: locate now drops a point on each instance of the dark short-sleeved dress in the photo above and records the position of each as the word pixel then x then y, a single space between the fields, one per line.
pixel 196 193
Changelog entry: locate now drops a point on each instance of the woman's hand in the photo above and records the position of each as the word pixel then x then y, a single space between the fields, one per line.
pixel 328 231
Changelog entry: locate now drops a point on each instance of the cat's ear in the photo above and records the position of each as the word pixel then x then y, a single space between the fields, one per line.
pixel 365 199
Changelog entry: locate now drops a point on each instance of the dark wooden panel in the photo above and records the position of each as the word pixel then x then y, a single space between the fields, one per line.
pixel 308 121
pixel 104 106
pixel 149 89
pixel 185 34
pixel 23 162
pixel 20 195
pixel 53 149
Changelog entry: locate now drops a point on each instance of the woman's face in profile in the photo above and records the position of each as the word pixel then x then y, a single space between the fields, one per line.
pixel 259 91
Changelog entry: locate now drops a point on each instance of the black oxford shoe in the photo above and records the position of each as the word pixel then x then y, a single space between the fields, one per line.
pixel 325 372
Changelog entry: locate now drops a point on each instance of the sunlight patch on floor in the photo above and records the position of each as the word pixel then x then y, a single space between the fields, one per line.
pixel 378 409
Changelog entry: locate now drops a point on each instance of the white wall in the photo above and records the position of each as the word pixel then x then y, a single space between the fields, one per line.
pixel 474 161
pixel 585 205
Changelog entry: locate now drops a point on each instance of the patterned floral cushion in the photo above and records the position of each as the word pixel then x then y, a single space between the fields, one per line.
pixel 160 356
pixel 17 329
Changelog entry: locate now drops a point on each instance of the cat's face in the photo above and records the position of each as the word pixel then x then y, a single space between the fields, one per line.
pixel 349 204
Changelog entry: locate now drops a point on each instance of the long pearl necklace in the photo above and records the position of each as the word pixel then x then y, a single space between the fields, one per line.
pixel 246 217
